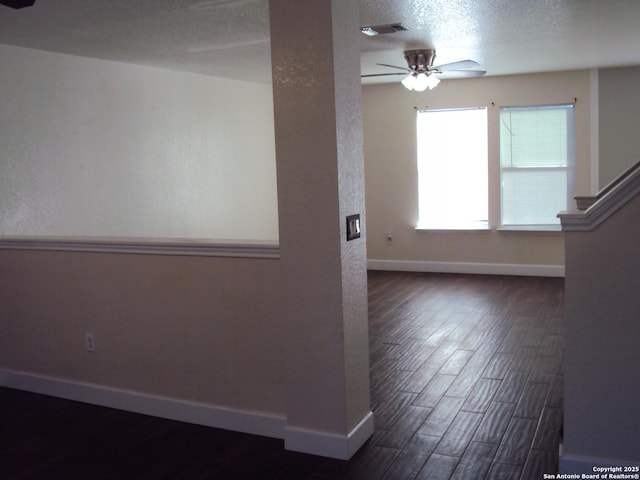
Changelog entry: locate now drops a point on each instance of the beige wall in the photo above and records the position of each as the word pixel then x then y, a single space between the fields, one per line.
pixel 619 116
pixel 199 329
pixel 269 346
pixel 96 148
pixel 91 148
pixel 389 113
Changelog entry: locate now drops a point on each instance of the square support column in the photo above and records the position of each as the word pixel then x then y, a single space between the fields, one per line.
pixel 320 167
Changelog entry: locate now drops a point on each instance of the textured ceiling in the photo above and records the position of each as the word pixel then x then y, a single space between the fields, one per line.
pixel 230 38
pixel 222 38
pixel 508 36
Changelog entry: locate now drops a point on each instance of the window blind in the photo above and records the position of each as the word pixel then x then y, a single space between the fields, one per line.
pixel 536 159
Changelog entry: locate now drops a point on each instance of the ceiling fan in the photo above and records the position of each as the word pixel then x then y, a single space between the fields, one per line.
pixel 17 3
pixel 420 73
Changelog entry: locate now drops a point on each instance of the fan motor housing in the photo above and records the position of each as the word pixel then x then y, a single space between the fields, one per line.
pixel 420 60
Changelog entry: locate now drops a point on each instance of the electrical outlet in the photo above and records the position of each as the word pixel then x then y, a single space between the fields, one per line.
pixel 90 341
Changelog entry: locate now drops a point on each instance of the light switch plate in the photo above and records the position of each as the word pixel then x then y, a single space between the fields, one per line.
pixel 353 227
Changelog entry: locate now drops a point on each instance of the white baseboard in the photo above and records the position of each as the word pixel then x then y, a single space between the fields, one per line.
pixel 468 268
pixel 329 444
pixel 576 464
pixel 256 423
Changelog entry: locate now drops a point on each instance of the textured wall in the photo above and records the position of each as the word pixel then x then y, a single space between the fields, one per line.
pixel 320 181
pixel 97 148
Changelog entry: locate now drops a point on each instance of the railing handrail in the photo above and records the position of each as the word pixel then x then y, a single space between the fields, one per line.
pixel 601 206
pixel 583 202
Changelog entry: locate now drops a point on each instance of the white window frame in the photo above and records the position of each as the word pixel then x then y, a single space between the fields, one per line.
pixel 567 167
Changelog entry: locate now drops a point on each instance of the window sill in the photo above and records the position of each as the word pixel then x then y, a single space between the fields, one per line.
pixel 531 228
pixel 452 229
pixel 511 228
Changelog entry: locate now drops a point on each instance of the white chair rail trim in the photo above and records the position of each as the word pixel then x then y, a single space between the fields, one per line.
pixel 237 249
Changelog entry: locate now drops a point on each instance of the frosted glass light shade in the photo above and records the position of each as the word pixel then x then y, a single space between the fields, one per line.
pixel 422 82
pixel 432 82
pixel 409 82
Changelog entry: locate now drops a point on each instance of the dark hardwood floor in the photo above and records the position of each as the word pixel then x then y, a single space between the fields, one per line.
pixel 466 379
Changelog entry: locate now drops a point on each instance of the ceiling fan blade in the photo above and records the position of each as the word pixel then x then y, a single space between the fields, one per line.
pixel 462 64
pixel 394 66
pixel 381 74
pixel 17 3
pixel 461 73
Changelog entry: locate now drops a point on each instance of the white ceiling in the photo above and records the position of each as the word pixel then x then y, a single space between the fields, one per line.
pixel 230 38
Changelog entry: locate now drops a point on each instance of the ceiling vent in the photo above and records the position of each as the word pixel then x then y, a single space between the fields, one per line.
pixel 383 29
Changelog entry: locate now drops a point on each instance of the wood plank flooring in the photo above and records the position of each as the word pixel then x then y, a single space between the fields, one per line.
pixel 466 383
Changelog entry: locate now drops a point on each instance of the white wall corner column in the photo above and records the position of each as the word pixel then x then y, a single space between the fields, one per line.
pixel 320 169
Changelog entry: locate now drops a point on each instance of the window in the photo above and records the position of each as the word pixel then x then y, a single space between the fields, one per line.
pixel 453 169
pixel 536 160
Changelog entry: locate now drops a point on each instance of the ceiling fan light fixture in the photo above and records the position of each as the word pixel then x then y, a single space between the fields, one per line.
pixel 422 74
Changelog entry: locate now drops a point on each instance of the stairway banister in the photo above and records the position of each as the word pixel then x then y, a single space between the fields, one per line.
pixel 583 202
pixel 596 209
